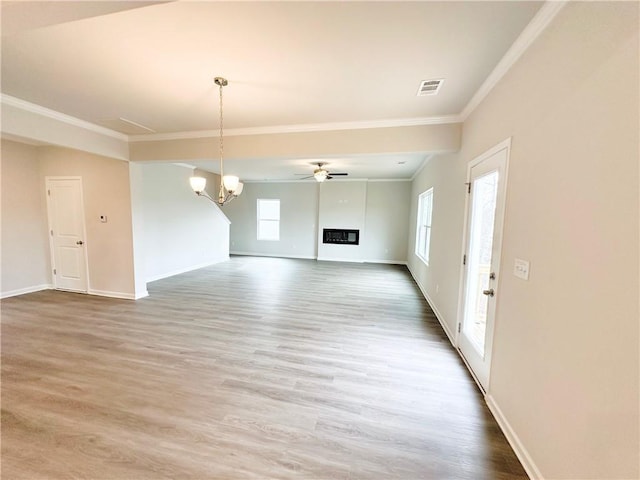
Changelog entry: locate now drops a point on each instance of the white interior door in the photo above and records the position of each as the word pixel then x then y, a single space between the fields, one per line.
pixel 485 213
pixel 67 233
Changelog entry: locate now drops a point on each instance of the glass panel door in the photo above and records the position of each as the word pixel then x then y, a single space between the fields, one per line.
pixel 481 228
pixel 485 208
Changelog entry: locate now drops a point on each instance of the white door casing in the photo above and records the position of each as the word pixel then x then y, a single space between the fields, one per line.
pixel 67 233
pixel 480 282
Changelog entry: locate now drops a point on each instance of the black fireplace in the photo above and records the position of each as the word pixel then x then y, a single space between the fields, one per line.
pixel 341 236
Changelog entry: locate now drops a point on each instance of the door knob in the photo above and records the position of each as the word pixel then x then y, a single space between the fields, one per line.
pixel 79 242
pixel 489 292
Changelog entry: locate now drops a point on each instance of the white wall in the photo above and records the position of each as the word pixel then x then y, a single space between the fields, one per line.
pixel 386 222
pixel 440 280
pixel 181 231
pixel 105 185
pixel 152 212
pixel 565 372
pixel 342 205
pixel 380 209
pixel 136 179
pixel 25 244
pixel 298 220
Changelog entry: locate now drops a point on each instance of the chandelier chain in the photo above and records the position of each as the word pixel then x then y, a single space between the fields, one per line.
pixel 231 186
pixel 221 129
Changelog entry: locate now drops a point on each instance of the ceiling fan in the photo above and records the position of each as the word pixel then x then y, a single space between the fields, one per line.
pixel 321 174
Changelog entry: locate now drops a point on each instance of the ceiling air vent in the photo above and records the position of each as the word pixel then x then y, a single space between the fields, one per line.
pixel 429 87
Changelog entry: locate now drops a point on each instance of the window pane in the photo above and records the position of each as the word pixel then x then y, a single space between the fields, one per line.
pixel 483 209
pixel 268 230
pixel 420 241
pixel 423 227
pixel 269 209
pixel 268 219
pixel 427 244
pixel 428 204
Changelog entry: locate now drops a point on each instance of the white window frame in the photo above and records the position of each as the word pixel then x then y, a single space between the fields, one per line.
pixel 423 225
pixel 262 218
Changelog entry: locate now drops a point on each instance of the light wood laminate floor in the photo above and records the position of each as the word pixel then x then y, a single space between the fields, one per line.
pixel 253 368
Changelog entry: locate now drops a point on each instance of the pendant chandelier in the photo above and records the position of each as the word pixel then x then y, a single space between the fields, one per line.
pixel 230 185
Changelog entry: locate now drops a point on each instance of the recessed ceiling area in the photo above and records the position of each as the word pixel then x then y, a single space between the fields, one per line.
pixel 372 167
pixel 288 64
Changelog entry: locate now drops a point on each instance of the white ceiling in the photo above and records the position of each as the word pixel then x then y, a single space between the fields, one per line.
pixel 288 63
pixel 401 166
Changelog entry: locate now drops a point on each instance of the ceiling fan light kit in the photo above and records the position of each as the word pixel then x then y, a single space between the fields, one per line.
pixel 230 186
pixel 321 174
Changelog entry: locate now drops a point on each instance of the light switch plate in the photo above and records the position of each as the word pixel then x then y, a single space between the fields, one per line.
pixel 521 269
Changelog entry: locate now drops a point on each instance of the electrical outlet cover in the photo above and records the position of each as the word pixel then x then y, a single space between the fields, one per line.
pixel 521 269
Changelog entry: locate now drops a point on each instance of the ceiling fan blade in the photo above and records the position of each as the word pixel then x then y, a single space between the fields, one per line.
pixel 335 174
pixel 304 178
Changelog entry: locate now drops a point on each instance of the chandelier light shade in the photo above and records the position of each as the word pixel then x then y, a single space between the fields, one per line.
pixel 230 185
pixel 198 184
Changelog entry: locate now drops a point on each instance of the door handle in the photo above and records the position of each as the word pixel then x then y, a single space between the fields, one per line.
pixel 79 242
pixel 489 293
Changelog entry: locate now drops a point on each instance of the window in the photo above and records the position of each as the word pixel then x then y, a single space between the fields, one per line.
pixel 268 219
pixel 423 228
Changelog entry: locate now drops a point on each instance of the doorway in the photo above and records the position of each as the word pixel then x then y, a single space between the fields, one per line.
pixel 487 178
pixel 67 233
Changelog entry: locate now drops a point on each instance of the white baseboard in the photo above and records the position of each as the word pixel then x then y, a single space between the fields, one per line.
pixel 528 464
pixel 160 276
pixel 513 439
pixel 253 254
pixel 443 324
pixel 100 293
pixel 140 295
pixel 106 293
pixel 321 259
pixel 23 291
pixel 445 327
pixel 387 262
pixel 333 259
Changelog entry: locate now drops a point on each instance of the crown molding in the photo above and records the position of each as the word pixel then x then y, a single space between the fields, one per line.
pixel 61 117
pixel 532 31
pixel 386 180
pixel 302 128
pixel 275 180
